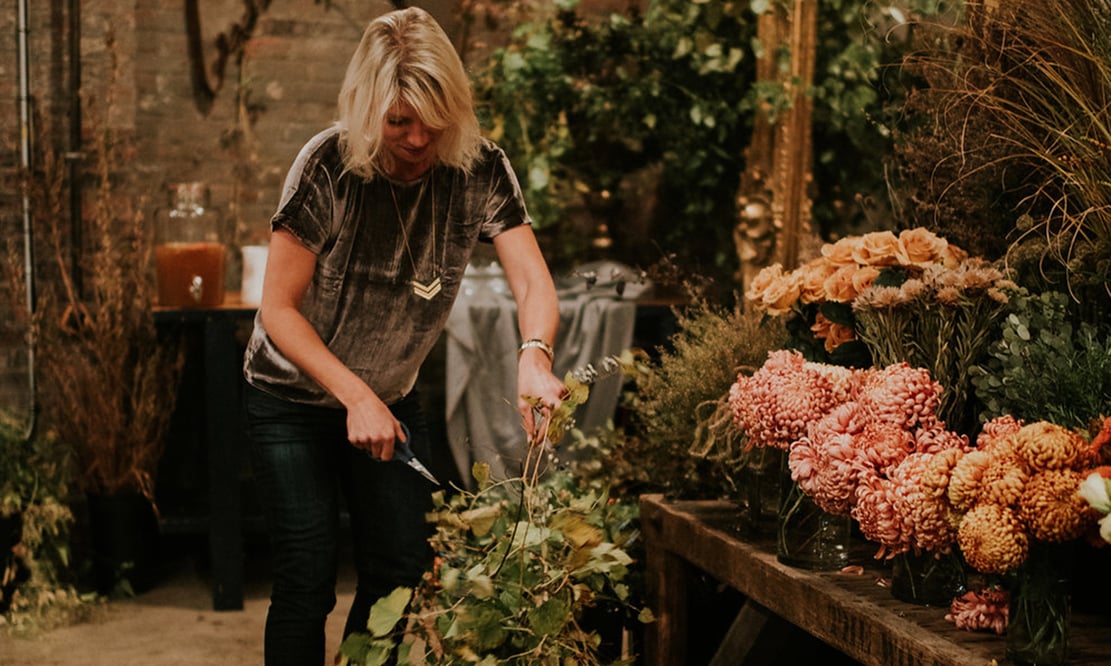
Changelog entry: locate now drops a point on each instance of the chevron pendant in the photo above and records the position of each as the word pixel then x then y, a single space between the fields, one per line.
pixel 426 291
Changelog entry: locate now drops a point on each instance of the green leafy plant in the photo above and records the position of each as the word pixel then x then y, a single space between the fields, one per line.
pixel 520 566
pixel 682 437
pixel 641 121
pixel 595 114
pixel 1047 366
pixel 35 585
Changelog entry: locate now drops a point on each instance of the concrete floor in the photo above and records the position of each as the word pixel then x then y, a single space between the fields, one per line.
pixel 173 624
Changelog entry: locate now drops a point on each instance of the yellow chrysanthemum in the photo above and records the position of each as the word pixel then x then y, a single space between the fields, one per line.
pixel 1052 509
pixel 1043 445
pixel 992 540
pixel 1002 482
pixel 964 482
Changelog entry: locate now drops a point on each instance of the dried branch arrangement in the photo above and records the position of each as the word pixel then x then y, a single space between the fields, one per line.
pixel 108 384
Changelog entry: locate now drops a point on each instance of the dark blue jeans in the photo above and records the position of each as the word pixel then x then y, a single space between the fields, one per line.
pixel 302 462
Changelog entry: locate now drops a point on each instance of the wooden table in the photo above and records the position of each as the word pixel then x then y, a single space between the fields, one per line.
pixel 222 433
pixel 854 613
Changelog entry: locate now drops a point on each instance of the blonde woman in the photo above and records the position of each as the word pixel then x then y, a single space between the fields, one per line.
pixel 377 221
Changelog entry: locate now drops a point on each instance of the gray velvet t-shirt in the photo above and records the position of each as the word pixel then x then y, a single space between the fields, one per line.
pixel 360 300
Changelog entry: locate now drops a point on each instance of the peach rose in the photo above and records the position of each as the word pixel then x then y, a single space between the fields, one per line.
pixel 781 295
pixel 839 286
pixel 864 277
pixel 813 277
pixel 842 251
pixel 921 246
pixel 879 248
pixel 833 335
pixel 953 256
pixel 763 280
pixel 773 291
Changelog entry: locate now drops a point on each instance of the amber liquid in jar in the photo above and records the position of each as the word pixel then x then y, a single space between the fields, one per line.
pixel 190 275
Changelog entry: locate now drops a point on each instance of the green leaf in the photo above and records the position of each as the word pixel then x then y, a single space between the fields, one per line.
pixel 549 618
pixel 388 611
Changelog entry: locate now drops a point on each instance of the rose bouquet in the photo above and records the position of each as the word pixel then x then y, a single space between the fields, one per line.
pixel 819 295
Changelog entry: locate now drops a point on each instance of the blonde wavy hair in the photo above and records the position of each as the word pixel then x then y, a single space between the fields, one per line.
pixel 405 55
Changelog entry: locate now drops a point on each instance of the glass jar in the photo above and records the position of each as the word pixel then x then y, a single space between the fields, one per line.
pixel 807 536
pixel 190 253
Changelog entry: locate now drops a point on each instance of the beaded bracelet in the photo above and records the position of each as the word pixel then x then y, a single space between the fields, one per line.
pixel 539 344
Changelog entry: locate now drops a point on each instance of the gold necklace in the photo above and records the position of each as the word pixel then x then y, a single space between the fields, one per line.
pixel 426 290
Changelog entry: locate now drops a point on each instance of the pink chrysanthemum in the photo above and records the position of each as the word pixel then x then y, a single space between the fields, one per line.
pixel 881 512
pixel 900 394
pixel 932 437
pixel 775 405
pixel 885 444
pixel 988 610
pixel 997 430
pixel 931 521
pixel 828 470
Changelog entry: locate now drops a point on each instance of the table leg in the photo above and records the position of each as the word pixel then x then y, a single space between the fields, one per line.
pixel 225 461
pixel 666 579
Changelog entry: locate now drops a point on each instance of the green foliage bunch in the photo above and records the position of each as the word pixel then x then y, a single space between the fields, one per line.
pixel 1048 366
pixel 658 108
pixel 683 439
pixel 580 104
pixel 34 572
pixel 519 567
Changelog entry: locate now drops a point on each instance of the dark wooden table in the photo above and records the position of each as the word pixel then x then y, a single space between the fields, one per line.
pixel 852 612
pixel 222 434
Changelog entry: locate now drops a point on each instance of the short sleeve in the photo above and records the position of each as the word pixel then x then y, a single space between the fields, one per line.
pixel 505 205
pixel 308 194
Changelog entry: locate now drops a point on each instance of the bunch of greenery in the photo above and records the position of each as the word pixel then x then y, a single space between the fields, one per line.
pixel 519 565
pixel 34 570
pixel 683 441
pixel 1047 366
pixel 580 104
pixel 658 108
pixel 1008 153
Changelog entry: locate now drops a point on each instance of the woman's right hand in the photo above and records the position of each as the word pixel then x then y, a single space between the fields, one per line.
pixel 372 427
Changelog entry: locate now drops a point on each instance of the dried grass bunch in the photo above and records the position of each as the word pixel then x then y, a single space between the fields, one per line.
pixel 108 383
pixel 1014 113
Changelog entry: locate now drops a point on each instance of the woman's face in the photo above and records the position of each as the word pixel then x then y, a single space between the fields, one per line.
pixel 410 142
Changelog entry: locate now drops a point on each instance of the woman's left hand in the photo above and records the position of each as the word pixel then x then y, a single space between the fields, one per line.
pixel 537 387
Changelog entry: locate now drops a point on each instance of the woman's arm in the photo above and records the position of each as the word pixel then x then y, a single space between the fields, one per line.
pixel 289 269
pixel 537 317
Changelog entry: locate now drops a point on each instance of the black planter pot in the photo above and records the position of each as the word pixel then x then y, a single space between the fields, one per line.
pixel 124 542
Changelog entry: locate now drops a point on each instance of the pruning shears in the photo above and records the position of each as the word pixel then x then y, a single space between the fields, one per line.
pixel 403 452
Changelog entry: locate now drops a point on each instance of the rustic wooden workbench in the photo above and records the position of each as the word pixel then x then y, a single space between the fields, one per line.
pixel 854 613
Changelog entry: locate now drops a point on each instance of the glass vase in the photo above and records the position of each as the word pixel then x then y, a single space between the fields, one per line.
pixel 1038 627
pixel 928 579
pixel 806 536
pixel 760 483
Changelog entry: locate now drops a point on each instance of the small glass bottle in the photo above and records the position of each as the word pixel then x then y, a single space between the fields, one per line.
pixel 190 253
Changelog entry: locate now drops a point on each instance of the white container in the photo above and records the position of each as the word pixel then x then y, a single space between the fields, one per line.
pixel 254 266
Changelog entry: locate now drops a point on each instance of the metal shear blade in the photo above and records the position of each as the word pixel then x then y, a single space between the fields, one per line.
pixel 403 452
